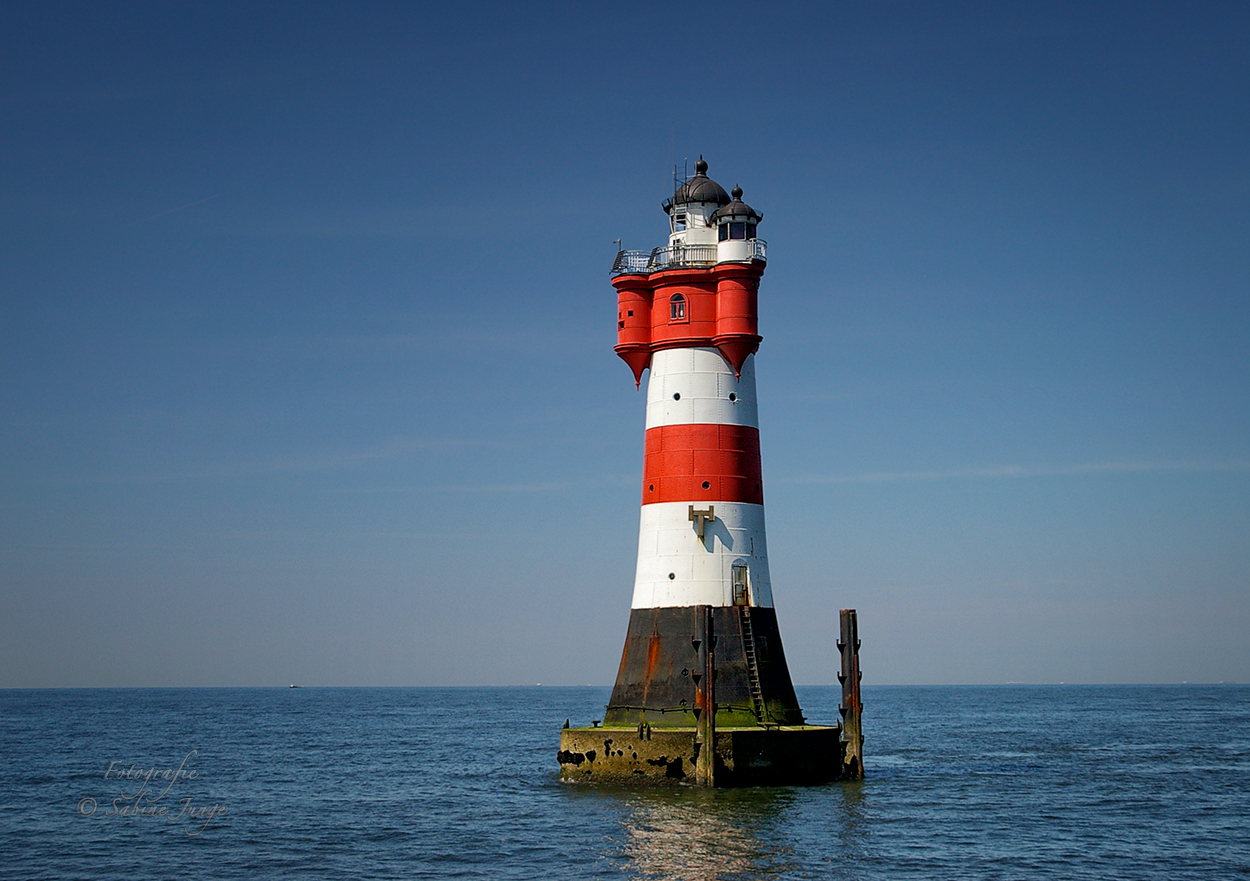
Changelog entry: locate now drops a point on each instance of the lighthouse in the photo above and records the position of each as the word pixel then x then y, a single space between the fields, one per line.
pixel 703 693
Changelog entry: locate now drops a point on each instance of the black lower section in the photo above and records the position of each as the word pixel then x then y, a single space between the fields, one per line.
pixel 664 659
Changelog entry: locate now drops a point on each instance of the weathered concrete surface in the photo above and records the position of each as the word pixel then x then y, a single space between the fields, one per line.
pixel 756 756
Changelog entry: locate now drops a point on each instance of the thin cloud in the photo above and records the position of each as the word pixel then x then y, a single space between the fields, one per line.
pixel 499 488
pixel 426 221
pixel 183 207
pixel 1018 471
pixel 396 448
pixel 311 462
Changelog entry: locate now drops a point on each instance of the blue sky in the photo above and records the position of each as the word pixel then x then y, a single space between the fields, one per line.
pixel 306 368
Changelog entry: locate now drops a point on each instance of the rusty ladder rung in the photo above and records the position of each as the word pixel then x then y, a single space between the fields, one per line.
pixel 753 671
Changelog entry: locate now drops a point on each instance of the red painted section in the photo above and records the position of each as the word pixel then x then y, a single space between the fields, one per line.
pixel 680 459
pixel 719 308
pixel 633 318
pixel 638 359
pixel 737 321
pixel 735 349
pixel 699 324
pixel 737 291
pixel 633 323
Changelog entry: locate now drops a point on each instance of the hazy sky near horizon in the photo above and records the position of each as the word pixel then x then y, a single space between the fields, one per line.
pixel 306 368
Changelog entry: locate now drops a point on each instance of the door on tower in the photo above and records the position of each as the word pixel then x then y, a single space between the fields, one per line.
pixel 741 585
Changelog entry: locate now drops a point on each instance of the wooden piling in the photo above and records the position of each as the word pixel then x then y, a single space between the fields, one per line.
pixel 852 707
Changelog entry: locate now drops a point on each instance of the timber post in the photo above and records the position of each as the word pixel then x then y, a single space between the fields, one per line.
pixel 852 707
pixel 705 704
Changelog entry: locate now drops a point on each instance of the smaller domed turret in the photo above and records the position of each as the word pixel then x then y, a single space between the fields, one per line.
pixel 737 210
pixel 735 228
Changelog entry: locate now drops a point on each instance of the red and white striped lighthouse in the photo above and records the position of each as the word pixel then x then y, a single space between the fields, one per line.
pixel 688 312
pixel 703 691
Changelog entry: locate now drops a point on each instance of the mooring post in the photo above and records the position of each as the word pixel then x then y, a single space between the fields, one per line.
pixel 852 707
pixel 705 704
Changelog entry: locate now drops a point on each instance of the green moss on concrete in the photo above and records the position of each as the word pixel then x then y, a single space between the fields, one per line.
pixel 745 756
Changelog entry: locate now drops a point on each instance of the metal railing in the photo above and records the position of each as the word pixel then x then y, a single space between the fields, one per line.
pixel 632 262
pixel 677 256
pixel 682 255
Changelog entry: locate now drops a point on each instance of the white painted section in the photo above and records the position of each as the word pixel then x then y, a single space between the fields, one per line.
pixel 701 570
pixel 668 542
pixel 697 236
pixel 697 230
pixel 735 250
pixel 704 380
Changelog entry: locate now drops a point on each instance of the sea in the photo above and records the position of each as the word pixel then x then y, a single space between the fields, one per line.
pixel 1010 782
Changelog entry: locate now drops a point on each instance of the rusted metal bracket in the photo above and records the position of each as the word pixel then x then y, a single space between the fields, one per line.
pixel 700 518
pixel 852 707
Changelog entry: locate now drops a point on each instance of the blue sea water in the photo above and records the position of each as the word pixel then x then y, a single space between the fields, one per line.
pixel 1012 782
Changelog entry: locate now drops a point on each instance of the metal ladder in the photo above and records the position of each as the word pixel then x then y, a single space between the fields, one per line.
pixel 753 669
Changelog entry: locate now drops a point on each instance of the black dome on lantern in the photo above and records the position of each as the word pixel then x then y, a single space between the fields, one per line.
pixel 699 188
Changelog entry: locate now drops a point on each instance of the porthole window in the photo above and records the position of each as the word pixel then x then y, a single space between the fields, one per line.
pixel 672 575
pixel 707 484
pixel 677 308
pixel 732 397
pixel 676 396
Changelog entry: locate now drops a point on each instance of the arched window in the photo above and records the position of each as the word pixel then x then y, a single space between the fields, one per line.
pixel 677 308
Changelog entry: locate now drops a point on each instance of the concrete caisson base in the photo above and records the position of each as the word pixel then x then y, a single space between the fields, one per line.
pixel 775 756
